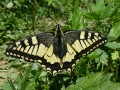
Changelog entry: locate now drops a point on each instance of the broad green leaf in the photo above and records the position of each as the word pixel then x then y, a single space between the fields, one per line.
pixel 98 81
pixel 100 11
pixel 100 56
pixel 95 54
pixel 103 57
pixel 115 31
pixel 113 45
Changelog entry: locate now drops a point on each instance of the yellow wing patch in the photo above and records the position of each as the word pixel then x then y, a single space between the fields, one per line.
pixel 30 50
pixel 49 52
pixel 89 41
pixel 17 43
pixel 35 50
pixel 69 55
pixel 41 50
pixel 50 56
pixel 86 43
pixel 26 42
pixel 82 35
pixel 19 47
pixel 34 40
pixel 26 49
pixel 77 46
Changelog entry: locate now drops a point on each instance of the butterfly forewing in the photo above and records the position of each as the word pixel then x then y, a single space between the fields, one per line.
pixel 84 42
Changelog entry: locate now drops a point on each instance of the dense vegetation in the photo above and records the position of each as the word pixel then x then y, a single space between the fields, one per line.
pixel 99 70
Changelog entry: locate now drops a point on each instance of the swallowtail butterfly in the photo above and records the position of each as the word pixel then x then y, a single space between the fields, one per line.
pixel 56 51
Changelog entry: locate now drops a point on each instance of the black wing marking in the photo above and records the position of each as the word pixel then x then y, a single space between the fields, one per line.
pixel 79 43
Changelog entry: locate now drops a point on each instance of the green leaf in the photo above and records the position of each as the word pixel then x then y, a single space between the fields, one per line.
pixel 103 58
pixel 95 54
pixel 81 66
pixel 115 31
pixel 10 36
pixel 100 56
pixel 98 81
pixel 23 83
pixel 100 11
pixel 115 55
pixel 98 7
pixel 113 45
pixel 77 17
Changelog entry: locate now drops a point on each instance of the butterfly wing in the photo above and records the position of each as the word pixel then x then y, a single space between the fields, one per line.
pixel 38 48
pixel 44 49
pixel 79 43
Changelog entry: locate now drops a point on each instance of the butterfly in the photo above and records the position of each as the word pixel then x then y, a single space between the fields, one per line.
pixel 56 51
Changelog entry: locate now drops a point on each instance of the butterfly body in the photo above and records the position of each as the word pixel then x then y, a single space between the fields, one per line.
pixel 56 51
